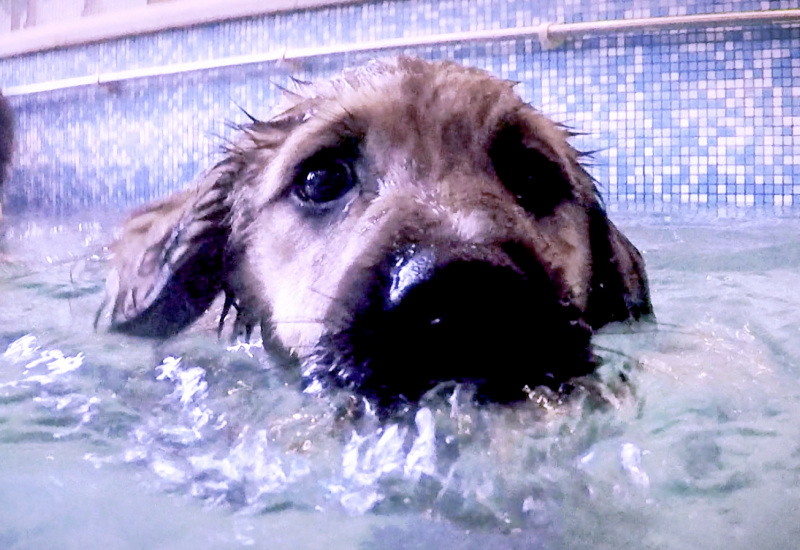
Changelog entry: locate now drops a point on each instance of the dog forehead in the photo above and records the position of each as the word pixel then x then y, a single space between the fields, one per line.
pixel 408 101
pixel 424 100
pixel 411 79
pixel 435 117
pixel 419 123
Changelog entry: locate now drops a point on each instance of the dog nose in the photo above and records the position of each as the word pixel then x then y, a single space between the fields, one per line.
pixel 412 266
pixel 465 321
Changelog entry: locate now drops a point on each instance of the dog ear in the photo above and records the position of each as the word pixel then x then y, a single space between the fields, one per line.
pixel 170 262
pixel 619 289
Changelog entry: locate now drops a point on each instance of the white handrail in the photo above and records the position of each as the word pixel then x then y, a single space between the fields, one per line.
pixel 144 19
pixel 731 19
pixel 550 35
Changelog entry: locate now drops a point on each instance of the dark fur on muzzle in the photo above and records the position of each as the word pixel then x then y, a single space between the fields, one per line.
pixel 418 324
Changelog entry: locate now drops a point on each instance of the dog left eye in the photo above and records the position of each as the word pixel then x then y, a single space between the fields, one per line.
pixel 324 181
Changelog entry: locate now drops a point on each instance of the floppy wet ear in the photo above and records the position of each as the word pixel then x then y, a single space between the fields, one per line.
pixel 169 263
pixel 619 289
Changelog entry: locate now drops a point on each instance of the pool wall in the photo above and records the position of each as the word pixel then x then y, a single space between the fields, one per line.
pixel 696 116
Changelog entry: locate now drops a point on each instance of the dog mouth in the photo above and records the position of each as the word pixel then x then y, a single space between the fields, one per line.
pixel 500 328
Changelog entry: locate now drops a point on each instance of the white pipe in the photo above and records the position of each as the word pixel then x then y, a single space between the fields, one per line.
pixel 682 21
pixel 550 35
pixel 144 19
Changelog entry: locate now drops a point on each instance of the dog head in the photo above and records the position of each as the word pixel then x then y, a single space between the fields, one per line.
pixel 405 224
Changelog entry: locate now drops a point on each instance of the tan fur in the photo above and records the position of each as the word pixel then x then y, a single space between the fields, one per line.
pixel 424 133
pixel 429 178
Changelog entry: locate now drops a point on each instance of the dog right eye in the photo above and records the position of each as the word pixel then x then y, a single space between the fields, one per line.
pixel 536 181
pixel 324 178
pixel 324 182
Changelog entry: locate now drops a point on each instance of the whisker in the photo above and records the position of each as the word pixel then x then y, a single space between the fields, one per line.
pixel 244 111
pixel 297 322
pixel 342 307
pixel 324 295
pixel 283 89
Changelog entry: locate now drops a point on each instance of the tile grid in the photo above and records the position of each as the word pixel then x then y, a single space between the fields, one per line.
pixel 696 117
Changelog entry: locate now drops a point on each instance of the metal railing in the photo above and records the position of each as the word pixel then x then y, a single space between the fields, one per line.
pixel 549 34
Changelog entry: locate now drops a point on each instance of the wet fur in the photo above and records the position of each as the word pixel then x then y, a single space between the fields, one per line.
pixel 460 185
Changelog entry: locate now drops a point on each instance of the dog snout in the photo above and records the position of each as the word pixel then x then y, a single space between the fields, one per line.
pixel 465 321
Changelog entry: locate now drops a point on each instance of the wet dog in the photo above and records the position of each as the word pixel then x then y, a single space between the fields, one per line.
pixel 405 224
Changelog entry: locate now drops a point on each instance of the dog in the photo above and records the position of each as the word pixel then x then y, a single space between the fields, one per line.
pixel 406 224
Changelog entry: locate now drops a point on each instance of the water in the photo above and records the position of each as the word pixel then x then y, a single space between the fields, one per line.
pixel 115 443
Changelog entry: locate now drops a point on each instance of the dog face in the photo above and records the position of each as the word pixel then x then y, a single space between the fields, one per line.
pixel 406 224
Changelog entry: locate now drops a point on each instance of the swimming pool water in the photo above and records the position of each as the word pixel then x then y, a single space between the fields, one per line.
pixel 112 442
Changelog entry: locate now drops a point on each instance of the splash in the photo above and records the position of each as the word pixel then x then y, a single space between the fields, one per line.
pixel 43 366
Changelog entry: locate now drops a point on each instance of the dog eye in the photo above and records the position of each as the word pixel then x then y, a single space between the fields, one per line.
pixel 537 182
pixel 323 178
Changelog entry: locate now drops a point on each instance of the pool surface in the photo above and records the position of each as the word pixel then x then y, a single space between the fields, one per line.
pixel 117 443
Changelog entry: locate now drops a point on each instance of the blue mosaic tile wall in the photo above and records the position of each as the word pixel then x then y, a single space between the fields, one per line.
pixel 703 117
